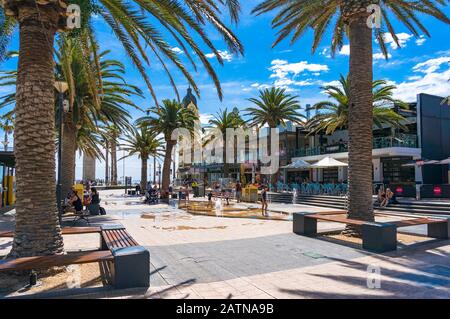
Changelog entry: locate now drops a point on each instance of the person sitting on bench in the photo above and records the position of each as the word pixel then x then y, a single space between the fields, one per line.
pixel 94 203
pixel 381 196
pixel 76 202
pixel 388 198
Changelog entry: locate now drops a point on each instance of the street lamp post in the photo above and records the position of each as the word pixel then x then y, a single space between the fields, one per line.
pixel 61 87
pixel 154 170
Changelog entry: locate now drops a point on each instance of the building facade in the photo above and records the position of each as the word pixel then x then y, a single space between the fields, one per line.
pixel 427 137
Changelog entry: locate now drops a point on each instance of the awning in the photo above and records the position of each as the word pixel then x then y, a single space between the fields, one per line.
pixel 298 164
pixel 329 162
pixel 7 159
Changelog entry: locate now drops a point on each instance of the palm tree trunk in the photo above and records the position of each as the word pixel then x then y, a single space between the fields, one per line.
pixel 69 140
pixel 106 162
pixel 360 121
pixel 154 170
pixel 144 172
pixel 166 169
pixel 37 227
pixel 113 161
pixel 226 169
pixel 273 177
pixel 88 167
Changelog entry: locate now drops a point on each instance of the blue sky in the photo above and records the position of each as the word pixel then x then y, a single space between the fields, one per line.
pixel 422 65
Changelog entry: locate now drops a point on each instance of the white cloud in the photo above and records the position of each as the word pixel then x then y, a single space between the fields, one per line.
pixel 345 50
pixel 225 55
pixel 420 41
pixel 325 53
pixel 281 68
pixel 177 50
pixel 431 65
pixel 380 56
pixel 434 80
pixel 285 74
pixel 204 118
pixel 403 38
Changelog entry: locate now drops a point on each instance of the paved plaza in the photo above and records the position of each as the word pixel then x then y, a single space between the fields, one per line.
pixel 212 257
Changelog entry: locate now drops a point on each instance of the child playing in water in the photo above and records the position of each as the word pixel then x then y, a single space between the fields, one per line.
pixel 210 199
pixel 227 197
pixel 264 201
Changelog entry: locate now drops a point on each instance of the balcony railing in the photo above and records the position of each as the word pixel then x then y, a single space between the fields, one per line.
pixel 401 140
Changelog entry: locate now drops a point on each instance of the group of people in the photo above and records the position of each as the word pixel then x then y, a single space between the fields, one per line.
pixel 238 195
pixel 90 197
pixel 385 197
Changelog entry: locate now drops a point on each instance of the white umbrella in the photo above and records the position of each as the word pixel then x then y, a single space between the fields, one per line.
pixel 328 162
pixel 298 164
pixel 446 161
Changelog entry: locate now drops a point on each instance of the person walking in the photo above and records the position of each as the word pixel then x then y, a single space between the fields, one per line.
pixel 238 189
pixel 264 201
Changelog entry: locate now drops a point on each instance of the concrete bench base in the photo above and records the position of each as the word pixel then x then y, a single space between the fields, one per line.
pixel 439 230
pixel 379 237
pixel 376 237
pixel 303 225
pixel 131 268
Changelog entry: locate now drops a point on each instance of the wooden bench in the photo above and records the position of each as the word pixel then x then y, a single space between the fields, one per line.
pixel 65 231
pixel 378 237
pixel 128 263
pixel 44 262
pixel 117 238
pixel 131 266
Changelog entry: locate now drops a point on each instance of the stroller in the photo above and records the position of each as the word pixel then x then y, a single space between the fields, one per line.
pixel 151 197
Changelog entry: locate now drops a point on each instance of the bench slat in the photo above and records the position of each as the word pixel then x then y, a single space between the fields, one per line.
pixel 128 239
pixel 118 238
pixel 41 262
pixel 65 231
pixel 336 212
pixel 337 219
pixel 416 221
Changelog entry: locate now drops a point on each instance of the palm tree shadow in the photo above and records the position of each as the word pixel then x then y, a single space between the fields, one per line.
pixel 431 275
pixel 389 288
pixel 165 292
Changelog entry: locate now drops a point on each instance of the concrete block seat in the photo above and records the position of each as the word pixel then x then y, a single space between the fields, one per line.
pixel 376 237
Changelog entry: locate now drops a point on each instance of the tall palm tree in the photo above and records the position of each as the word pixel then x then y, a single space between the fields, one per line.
pixel 274 107
pixel 165 120
pixel 7 126
pixel 222 121
pixel 336 113
pixel 86 111
pixel 145 143
pixel 137 24
pixel 113 134
pixel 350 18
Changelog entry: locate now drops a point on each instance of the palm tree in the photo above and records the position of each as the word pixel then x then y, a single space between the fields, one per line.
pixel 222 121
pixel 336 113
pixel 145 143
pixel 7 126
pixel 113 132
pixel 350 18
pixel 136 24
pixel 80 123
pixel 274 107
pixel 103 98
pixel 165 120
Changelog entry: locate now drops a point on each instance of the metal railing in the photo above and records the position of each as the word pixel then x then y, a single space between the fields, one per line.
pixel 332 189
pixel 399 140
